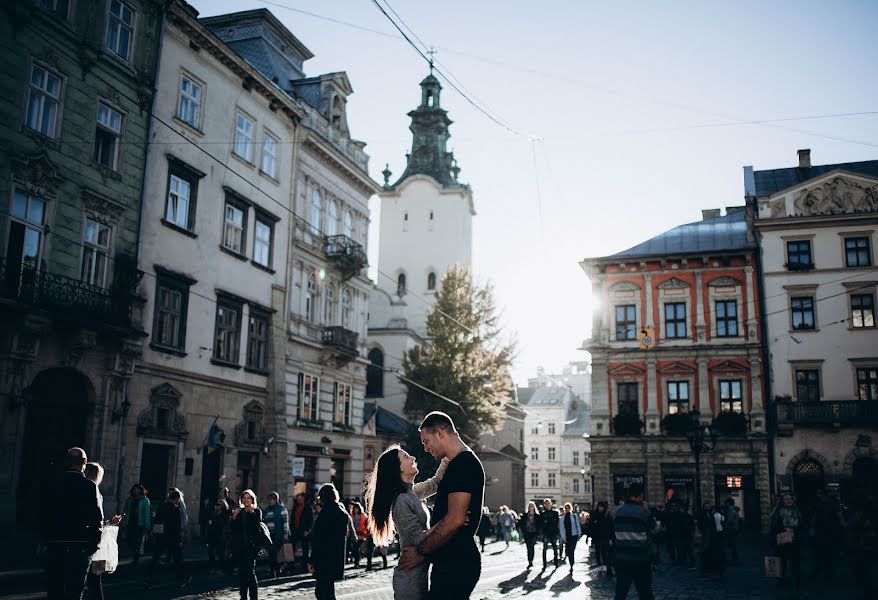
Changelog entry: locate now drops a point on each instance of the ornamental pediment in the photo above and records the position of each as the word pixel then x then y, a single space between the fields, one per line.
pixel 729 366
pixel 625 286
pixel 626 369
pixel 672 284
pixel 836 193
pixel 724 282
pixel 677 367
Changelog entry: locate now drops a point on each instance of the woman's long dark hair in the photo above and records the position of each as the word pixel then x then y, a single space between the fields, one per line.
pixel 385 484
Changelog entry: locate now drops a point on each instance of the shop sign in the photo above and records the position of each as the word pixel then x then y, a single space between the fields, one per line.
pixel 734 482
pixel 679 481
pixel 298 468
pixel 627 480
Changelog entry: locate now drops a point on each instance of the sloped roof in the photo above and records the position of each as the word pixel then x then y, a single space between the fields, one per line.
pixel 386 422
pixel 728 232
pixel 774 180
pixel 546 396
pixel 524 394
pixel 581 417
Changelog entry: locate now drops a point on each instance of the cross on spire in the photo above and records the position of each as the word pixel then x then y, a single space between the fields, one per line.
pixel 432 53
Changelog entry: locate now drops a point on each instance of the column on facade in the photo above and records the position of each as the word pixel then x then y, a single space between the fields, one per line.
pixel 647 310
pixel 757 409
pixel 704 390
pixel 600 414
pixel 652 412
pixel 752 332
pixel 700 322
pixel 654 483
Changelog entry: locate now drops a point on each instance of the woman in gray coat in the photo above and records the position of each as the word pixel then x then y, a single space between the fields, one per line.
pixel 395 507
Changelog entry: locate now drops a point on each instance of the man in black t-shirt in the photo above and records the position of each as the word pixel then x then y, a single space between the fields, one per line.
pixel 450 546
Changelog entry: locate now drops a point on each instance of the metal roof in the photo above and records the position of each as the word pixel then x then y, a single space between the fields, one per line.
pixel 546 396
pixel 774 180
pixel 386 422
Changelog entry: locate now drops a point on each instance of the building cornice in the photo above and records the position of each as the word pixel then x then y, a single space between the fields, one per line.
pixel 341 164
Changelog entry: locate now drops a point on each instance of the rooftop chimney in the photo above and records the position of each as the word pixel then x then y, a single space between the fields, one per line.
pixel 805 158
pixel 710 213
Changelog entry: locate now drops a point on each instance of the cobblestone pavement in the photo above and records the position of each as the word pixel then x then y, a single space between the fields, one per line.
pixel 503 576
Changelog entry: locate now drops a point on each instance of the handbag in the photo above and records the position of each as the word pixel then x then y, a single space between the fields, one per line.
pixel 286 554
pixel 263 536
pixel 784 537
pixel 772 566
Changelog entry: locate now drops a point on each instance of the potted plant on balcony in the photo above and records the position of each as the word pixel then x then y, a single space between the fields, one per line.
pixel 677 423
pixel 627 424
pixel 731 423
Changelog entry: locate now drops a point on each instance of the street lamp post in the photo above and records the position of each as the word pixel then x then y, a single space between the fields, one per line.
pixel 696 436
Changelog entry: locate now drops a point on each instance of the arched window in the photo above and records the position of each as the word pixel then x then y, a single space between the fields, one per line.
pixel 311 298
pixel 349 223
pixel 431 281
pixel 346 308
pixel 329 305
pixel 316 210
pixel 400 285
pixel 375 374
pixel 332 218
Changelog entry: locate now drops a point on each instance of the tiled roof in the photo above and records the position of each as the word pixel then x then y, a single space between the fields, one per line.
pixel 774 180
pixel 728 232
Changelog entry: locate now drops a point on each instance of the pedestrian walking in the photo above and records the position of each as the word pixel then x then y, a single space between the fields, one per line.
pixel 329 542
pixel 602 529
pixel 785 529
pixel 633 525
pixel 585 526
pixel 74 532
pixel 549 530
pixel 732 525
pixel 506 522
pixel 302 522
pixel 218 536
pixel 361 531
pixel 136 520
pixel 571 531
pixel 168 538
pixel 530 529
pixel 277 519
pixel 484 529
pixel 246 535
pixel 94 472
pixel 450 543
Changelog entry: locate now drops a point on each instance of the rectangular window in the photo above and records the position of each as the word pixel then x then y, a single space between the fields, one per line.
pixel 120 28
pixel 626 322
pixel 269 155
pixel 60 8
pixel 43 101
pixel 262 234
pixel 535 480
pixel 730 399
pixel 552 480
pixel 189 109
pixel 108 137
pixel 551 429
pixel 234 225
pixel 675 320
pixel 856 252
pixel 26 229
pixel 244 137
pixel 342 404
pixel 726 318
pixel 799 255
pixel 257 342
pixel 228 332
pixel 534 453
pixel 576 458
pixel 95 248
pixel 628 401
pixel 802 312
pixel 575 486
pixel 678 397
pixel 534 429
pixel 807 385
pixel 867 383
pixel 309 392
pixel 551 453
pixel 862 310
pixel 171 305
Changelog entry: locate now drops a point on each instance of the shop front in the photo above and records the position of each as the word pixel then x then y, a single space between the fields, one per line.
pixel 680 489
pixel 622 484
pixel 740 486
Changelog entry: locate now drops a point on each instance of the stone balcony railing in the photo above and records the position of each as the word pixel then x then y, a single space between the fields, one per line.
pixel 831 413
pixel 350 148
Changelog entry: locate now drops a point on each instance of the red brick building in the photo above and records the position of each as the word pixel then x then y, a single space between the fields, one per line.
pixel 693 292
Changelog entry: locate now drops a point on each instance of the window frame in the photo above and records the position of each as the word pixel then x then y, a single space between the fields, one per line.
pixel 677 402
pixel 131 27
pixel 258 343
pixel 235 201
pixel 175 283
pixel 803 380
pixel 309 298
pixel 184 173
pixel 25 222
pixel 632 401
pixel 315 211
pixel 101 254
pixel 431 281
pixel 575 458
pixel 261 218
pixel 551 453
pixel 275 157
pixel 231 358
pixel 198 107
pixel 551 428
pixel 70 12
pixel 329 304
pixel 331 224
pixel 630 325
pixel 862 295
pixel 798 255
pixel 870 379
pixel 103 129
pixel 675 321
pixel 802 311
pixel 728 323
pixel 729 398
pixel 249 143
pixel 552 479
pixel 343 404
pixel 866 248
pixel 45 95
pixel 346 308
pixel 309 398
pixel 535 479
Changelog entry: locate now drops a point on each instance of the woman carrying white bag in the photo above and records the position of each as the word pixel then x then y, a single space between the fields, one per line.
pixel 106 558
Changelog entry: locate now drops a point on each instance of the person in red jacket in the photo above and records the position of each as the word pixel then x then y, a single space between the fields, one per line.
pixel 361 528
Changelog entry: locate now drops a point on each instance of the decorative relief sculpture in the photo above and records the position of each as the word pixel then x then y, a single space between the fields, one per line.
pixel 838 195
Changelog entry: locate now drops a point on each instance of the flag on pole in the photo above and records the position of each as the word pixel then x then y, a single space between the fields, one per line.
pixel 211 436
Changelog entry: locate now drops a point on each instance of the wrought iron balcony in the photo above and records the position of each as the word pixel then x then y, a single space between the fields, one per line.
pixel 834 413
pixel 342 339
pixel 65 296
pixel 346 255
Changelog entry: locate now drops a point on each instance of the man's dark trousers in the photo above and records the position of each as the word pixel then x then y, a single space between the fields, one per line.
pixel 456 580
pixel 639 573
pixel 68 565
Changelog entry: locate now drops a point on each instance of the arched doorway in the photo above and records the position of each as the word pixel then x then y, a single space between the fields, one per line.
pixel 57 419
pixel 807 479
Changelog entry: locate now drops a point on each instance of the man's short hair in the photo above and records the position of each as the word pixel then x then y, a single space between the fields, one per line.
pixel 438 420
pixel 75 457
pixel 635 490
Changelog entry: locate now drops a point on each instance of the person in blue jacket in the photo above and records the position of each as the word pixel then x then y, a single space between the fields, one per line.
pixel 277 519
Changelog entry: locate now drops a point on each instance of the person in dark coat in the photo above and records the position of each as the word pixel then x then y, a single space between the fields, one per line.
pixel 246 518
pixel 301 522
pixel 328 542
pixel 218 534
pixel 170 540
pixel 74 532
pixel 603 533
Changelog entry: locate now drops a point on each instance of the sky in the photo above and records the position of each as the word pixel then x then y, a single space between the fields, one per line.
pixel 627 119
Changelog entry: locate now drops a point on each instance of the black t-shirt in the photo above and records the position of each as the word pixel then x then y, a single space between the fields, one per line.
pixel 464 474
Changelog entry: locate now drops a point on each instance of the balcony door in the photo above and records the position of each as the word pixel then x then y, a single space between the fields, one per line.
pixel 628 400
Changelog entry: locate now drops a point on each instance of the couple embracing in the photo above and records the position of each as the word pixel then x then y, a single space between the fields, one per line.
pixel 448 543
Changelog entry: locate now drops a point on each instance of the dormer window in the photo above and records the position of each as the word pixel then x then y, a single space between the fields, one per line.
pixel 337 112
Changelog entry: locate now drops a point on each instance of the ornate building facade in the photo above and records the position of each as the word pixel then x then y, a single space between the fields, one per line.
pixel 817 228
pixel 693 291
pixel 78 87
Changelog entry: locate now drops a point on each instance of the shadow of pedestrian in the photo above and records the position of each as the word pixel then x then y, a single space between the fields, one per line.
pixel 564 585
pixel 537 583
pixel 517 581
